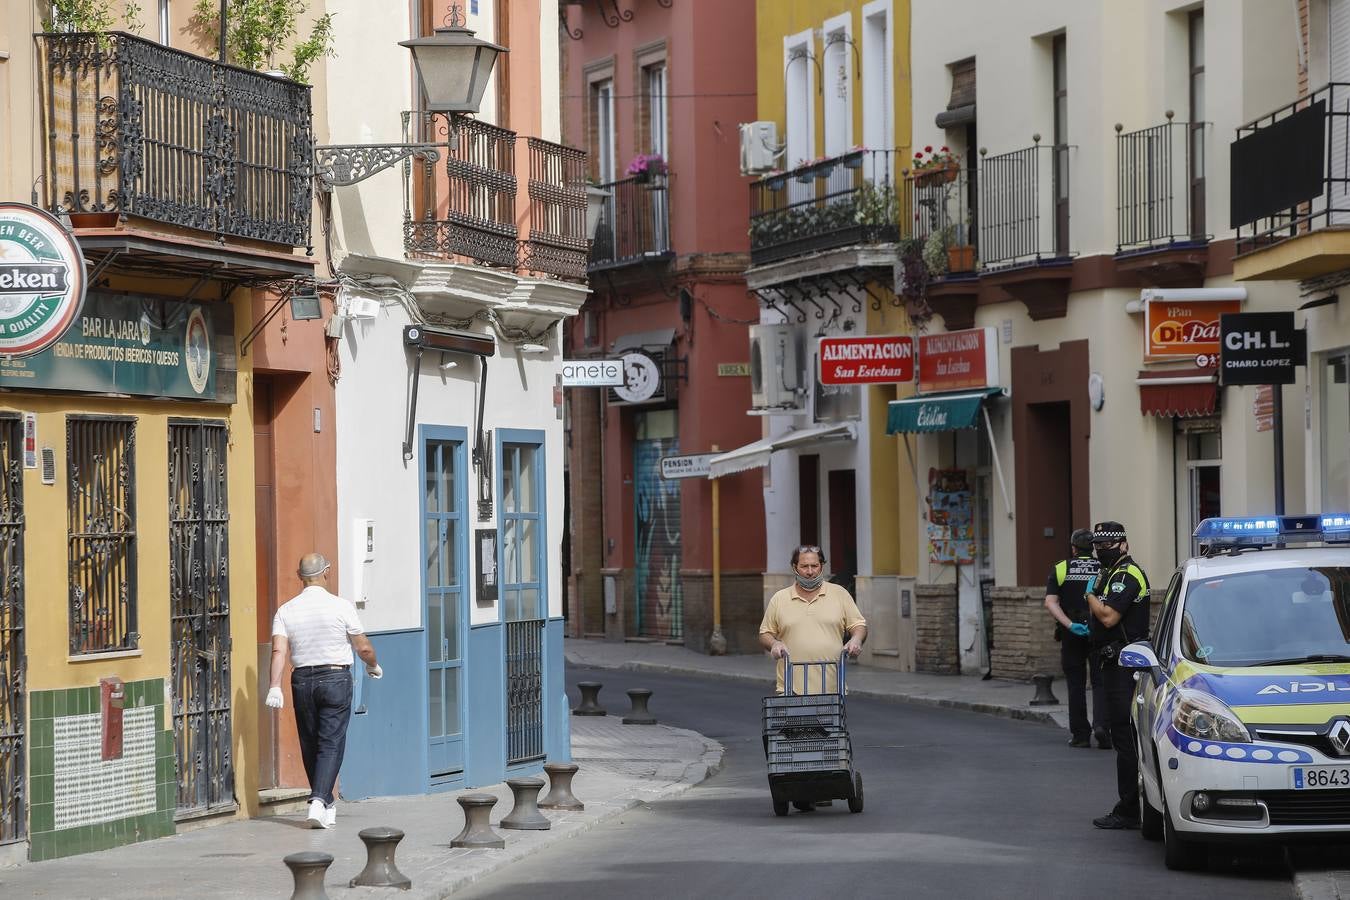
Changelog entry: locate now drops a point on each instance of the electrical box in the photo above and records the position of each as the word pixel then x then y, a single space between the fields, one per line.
pixel 759 147
pixel 776 381
pixel 363 554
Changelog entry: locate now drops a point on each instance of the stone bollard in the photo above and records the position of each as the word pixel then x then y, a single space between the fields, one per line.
pixel 590 699
pixel 478 833
pixel 525 814
pixel 380 870
pixel 560 788
pixel 639 714
pixel 308 869
pixel 1044 696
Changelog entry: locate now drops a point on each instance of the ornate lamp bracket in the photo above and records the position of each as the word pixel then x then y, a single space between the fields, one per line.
pixel 343 165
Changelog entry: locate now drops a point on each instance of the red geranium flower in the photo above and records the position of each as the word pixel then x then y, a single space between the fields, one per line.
pixel 928 149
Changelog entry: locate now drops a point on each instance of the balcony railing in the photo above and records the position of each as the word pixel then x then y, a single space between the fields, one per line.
pixel 138 129
pixel 942 218
pixel 1159 187
pixel 465 204
pixel 852 199
pixel 1024 209
pixel 634 223
pixel 1291 170
pixel 557 242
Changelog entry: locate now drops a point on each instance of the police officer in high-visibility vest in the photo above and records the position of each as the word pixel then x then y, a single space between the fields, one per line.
pixel 1065 601
pixel 1118 601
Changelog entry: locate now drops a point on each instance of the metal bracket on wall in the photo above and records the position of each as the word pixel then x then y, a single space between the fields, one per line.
pixel 342 165
pixel 562 23
pixel 625 15
pixel 769 303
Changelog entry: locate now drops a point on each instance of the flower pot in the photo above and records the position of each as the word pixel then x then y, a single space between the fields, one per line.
pixel 805 177
pixel 936 175
pixel 824 172
pixel 775 183
pixel 853 160
pixel 642 177
pixel 961 258
pixel 94 219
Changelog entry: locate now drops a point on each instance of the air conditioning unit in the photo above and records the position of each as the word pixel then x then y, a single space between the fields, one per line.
pixel 776 368
pixel 759 147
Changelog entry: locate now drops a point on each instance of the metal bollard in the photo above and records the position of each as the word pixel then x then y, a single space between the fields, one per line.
pixel 478 833
pixel 639 715
pixel 308 869
pixel 380 870
pixel 525 814
pixel 590 699
pixel 560 788
pixel 1044 696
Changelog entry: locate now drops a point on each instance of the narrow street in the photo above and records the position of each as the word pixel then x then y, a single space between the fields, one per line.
pixel 957 804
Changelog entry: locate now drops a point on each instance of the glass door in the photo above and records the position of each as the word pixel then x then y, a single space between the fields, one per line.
pixel 444 558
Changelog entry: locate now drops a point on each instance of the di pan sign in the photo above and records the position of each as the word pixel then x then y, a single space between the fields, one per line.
pixel 592 373
pixel 867 360
pixel 1260 348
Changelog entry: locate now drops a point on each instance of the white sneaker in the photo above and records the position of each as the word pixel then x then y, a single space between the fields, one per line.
pixel 330 816
pixel 318 815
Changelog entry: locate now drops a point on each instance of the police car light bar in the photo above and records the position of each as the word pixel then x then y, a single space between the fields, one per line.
pixel 1261 530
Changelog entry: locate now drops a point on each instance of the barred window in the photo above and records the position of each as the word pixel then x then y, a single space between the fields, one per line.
pixel 101 531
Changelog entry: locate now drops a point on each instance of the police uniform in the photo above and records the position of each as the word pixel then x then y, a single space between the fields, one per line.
pixel 1069 580
pixel 1123 588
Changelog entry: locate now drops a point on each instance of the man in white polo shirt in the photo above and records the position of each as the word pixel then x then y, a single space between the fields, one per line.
pixel 319 630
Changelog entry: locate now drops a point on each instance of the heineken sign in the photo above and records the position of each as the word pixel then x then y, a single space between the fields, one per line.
pixel 41 280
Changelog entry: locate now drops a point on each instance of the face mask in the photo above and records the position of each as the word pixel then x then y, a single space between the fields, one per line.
pixel 810 584
pixel 1109 556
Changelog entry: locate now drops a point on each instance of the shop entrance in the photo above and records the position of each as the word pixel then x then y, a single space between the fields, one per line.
pixel 1199 461
pixel 843 562
pixel 660 601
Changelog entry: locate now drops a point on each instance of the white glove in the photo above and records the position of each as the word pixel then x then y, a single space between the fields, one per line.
pixel 274 698
pixel 375 671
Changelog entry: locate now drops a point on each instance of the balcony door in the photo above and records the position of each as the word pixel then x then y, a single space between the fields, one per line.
pixel 444 567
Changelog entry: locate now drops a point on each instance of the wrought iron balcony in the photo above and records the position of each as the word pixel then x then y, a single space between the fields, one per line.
pixel 941 216
pixel 136 129
pixel 1024 206
pixel 1160 186
pixel 465 206
pixel 634 223
pixel 1291 171
pixel 852 199
pixel 557 242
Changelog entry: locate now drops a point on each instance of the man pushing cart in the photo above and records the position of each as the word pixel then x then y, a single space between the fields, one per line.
pixel 806 737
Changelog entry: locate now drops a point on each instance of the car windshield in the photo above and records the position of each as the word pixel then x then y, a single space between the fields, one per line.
pixel 1279 616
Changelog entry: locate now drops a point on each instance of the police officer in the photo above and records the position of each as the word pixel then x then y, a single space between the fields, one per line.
pixel 1118 602
pixel 1067 605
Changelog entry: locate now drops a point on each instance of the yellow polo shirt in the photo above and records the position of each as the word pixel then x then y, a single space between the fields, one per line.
pixel 813 632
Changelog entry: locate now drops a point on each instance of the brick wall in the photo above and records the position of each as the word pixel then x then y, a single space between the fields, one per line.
pixel 742 610
pixel 1024 643
pixel 935 627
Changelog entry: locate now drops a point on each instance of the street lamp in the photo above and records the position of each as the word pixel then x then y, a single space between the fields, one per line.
pixel 454 66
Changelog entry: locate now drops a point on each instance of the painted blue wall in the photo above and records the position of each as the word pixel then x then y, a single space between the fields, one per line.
pixel 386 740
pixel 557 714
pixel 485 706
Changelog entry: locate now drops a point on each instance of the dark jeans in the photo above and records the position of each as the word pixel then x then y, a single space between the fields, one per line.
pixel 1080 665
pixel 1119 685
pixel 323 707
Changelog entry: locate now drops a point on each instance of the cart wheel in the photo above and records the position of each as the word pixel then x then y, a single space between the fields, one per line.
pixel 780 807
pixel 855 803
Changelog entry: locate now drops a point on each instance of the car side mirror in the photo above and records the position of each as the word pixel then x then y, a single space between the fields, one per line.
pixel 1140 655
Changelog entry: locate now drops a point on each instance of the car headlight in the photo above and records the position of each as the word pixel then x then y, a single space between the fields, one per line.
pixel 1200 715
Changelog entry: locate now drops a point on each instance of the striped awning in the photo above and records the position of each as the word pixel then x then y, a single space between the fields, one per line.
pixel 1177 394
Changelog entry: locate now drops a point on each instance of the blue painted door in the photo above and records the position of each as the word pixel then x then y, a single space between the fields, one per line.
pixel 445 565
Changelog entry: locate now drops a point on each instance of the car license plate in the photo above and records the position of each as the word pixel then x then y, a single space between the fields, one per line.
pixel 1315 778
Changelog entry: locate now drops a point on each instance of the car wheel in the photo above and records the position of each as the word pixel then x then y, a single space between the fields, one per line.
pixel 780 807
pixel 1180 854
pixel 855 803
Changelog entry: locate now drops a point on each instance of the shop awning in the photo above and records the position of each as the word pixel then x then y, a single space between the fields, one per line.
pixel 756 455
pixel 937 412
pixel 1177 395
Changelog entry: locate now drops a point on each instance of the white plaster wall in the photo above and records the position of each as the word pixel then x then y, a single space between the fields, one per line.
pixel 550 73
pixel 374 483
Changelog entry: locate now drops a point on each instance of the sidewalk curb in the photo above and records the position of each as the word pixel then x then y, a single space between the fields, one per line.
pixel 708 764
pixel 1316 886
pixel 991 709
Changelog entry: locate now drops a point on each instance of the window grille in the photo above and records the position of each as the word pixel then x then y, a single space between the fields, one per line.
pixel 101 531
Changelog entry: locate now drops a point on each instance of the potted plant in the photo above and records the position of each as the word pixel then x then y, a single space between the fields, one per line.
pixel 804 172
pixel 774 180
pixel 258 29
pixel 646 166
pixel 934 167
pixel 913 282
pixel 853 159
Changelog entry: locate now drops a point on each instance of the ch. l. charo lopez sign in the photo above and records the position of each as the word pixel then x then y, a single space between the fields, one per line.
pixel 41 280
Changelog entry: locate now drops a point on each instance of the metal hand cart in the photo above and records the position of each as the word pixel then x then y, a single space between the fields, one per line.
pixel 807 743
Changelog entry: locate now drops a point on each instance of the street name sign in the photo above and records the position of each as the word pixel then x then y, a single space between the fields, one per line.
pixel 692 465
pixel 1260 348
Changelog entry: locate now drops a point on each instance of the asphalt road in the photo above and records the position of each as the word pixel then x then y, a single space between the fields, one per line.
pixel 957 805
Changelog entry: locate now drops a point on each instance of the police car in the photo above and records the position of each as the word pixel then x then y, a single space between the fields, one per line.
pixel 1242 705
